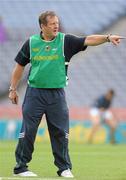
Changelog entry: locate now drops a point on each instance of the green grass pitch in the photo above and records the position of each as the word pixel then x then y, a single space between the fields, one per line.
pixel 90 162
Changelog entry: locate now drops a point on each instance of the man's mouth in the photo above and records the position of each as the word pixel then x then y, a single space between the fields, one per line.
pixel 56 30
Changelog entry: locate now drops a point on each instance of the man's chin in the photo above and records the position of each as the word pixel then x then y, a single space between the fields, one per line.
pixel 55 34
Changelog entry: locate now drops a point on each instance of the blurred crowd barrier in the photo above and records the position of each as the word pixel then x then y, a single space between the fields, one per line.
pixel 80 125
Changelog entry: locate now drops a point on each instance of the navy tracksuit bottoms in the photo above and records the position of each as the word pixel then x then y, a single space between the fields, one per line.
pixel 52 103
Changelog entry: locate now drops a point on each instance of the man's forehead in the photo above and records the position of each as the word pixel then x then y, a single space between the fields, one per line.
pixel 52 18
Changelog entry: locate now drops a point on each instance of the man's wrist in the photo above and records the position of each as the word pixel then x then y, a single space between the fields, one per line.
pixel 108 38
pixel 12 89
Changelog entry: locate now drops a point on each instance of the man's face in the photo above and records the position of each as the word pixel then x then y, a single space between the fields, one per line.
pixel 109 96
pixel 52 27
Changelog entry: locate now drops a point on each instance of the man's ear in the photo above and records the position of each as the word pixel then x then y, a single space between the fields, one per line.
pixel 41 26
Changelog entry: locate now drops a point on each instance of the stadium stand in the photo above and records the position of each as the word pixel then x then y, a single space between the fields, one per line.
pixel 97 70
pixel 77 16
pixel 93 71
pixel 3 33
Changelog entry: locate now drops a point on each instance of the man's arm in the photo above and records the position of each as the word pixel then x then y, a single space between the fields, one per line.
pixel 22 59
pixel 16 76
pixel 94 40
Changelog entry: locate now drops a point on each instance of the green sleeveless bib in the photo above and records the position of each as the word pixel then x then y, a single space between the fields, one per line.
pixel 47 62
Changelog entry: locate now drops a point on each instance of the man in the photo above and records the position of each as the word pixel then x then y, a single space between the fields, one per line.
pixel 100 113
pixel 49 54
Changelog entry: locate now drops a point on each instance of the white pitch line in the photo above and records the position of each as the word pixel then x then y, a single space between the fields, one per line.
pixel 26 178
pixel 81 153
